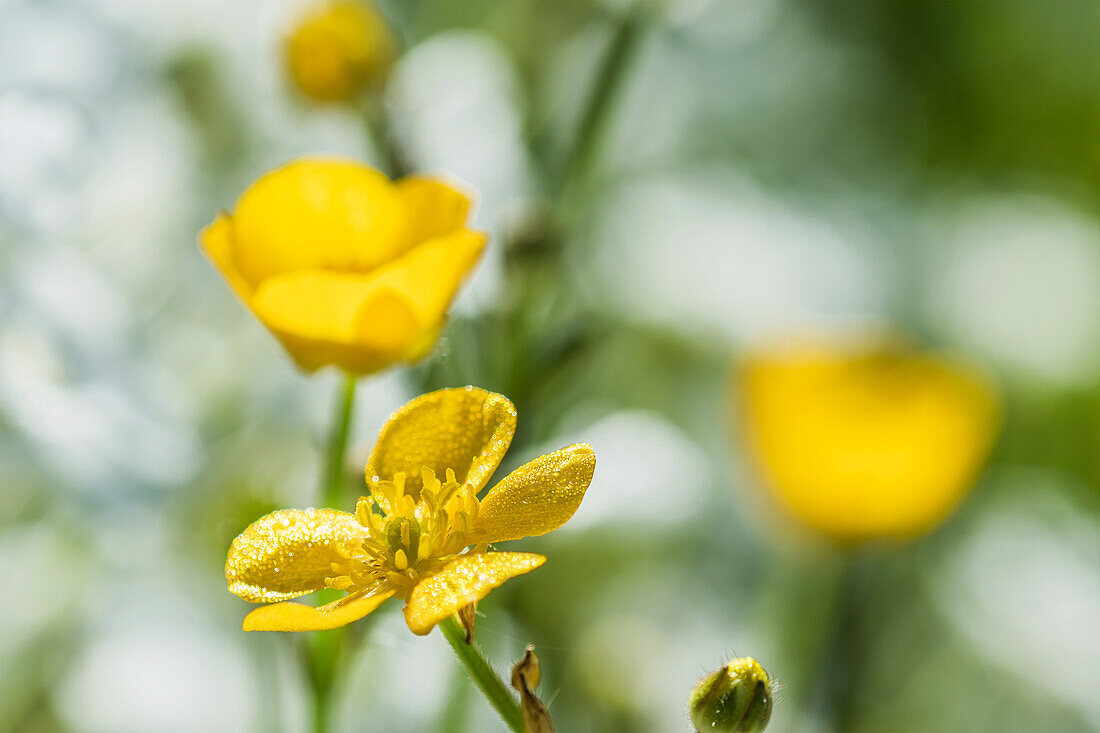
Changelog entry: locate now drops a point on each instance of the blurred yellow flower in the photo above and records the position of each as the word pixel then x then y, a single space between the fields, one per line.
pixel 338 49
pixel 342 265
pixel 869 440
pixel 410 537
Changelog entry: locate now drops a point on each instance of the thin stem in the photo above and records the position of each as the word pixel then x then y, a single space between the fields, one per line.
pixel 332 492
pixel 323 649
pixel 378 128
pixel 533 270
pixel 838 666
pixel 602 96
pixel 490 684
pixel 322 654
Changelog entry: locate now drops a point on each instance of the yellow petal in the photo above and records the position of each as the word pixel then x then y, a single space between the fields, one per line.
pixel 345 319
pixel 867 441
pixel 465 580
pixel 289 553
pixel 429 275
pixel 435 207
pixel 536 498
pixel 465 429
pixel 217 241
pixel 318 214
pixel 300 617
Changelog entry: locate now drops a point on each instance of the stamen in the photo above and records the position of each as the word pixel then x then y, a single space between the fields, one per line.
pixel 415 528
pixel 363 511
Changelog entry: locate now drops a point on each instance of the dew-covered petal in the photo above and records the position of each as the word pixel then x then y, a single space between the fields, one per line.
pixel 465 580
pixel 290 616
pixel 465 429
pixel 289 553
pixel 536 498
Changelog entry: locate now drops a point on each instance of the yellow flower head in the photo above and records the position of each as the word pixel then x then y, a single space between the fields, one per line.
pixel 342 265
pixel 867 441
pixel 338 49
pixel 411 536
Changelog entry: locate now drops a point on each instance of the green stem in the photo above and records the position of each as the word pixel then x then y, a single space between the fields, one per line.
pixel 322 655
pixel 838 668
pixel 490 684
pixel 332 491
pixel 323 649
pixel 378 128
pixel 532 256
pixel 601 98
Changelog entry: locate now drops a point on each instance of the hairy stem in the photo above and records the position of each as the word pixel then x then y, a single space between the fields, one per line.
pixel 486 680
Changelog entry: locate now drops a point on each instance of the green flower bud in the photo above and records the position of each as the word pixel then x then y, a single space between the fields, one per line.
pixel 736 698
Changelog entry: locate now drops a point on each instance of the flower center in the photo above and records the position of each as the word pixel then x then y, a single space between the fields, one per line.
pixel 408 536
pixel 402 535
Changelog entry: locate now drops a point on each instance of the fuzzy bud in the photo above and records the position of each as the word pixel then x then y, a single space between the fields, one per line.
pixel 736 698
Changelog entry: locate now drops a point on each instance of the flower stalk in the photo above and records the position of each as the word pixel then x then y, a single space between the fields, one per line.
pixel 377 122
pixel 332 488
pixel 838 669
pixel 482 674
pixel 320 660
pixel 605 91
pixel 323 652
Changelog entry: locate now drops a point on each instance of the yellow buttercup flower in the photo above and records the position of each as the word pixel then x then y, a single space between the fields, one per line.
pixel 869 440
pixel 342 265
pixel 338 49
pixel 421 534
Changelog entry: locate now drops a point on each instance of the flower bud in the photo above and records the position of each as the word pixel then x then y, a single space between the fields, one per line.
pixel 733 699
pixel 339 49
pixel 525 678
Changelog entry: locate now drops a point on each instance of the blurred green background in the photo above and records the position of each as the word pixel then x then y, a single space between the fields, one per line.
pixel 757 167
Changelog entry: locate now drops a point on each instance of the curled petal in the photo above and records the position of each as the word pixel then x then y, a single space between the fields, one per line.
pixel 217 241
pixel 465 580
pixel 338 318
pixel 536 498
pixel 465 429
pixel 429 275
pixel 290 616
pixel 289 553
pixel 435 207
